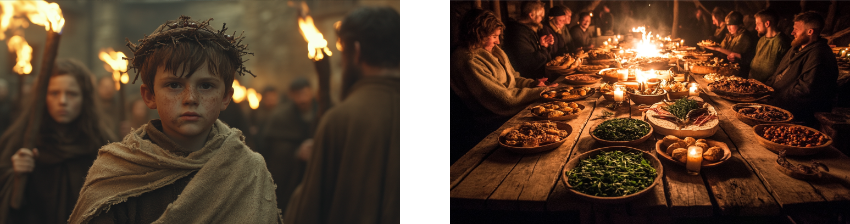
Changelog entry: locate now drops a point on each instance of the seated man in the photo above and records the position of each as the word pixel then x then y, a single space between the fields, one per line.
pixel 559 16
pixel 771 47
pixel 806 79
pixel 739 46
pixel 581 35
pixel 524 47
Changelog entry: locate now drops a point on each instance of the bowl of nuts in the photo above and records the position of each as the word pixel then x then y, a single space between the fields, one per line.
pixel 796 140
pixel 755 114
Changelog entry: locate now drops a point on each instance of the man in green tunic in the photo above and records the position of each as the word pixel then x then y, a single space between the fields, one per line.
pixel 739 45
pixel 771 47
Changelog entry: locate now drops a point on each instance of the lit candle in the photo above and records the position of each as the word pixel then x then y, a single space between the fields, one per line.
pixel 605 43
pixel 693 90
pixel 694 162
pixel 683 42
pixel 618 95
pixel 624 75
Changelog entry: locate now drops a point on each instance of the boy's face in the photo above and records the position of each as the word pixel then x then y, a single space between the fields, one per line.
pixel 188 107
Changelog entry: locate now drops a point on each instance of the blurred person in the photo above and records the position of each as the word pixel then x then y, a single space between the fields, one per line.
pixel 739 46
pixel 581 35
pixel 51 146
pixel 606 21
pixel 353 173
pixel 771 46
pixel 5 106
pixel 282 134
pixel 806 79
pixel 526 49
pixel 559 17
pixel 486 90
pixel 270 99
pixel 139 115
pixel 109 103
pixel 718 19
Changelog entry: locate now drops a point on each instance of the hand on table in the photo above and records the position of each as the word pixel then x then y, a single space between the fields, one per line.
pixel 732 57
pixel 542 83
pixel 23 161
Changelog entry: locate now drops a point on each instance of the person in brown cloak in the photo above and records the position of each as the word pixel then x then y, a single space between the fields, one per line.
pixel 353 174
pixel 187 166
pixel 50 146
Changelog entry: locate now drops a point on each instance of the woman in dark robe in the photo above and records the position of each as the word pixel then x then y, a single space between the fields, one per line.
pixel 48 150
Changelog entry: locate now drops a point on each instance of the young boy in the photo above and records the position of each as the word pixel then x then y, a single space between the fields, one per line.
pixel 187 167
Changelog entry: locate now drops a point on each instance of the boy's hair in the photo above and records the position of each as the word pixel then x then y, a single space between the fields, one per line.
pixel 190 44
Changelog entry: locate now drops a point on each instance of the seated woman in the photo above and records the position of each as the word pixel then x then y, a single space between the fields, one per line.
pixel 739 46
pixel 48 150
pixel 486 89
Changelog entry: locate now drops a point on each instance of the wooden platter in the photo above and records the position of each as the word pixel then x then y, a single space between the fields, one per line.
pixel 758 130
pixel 662 152
pixel 542 148
pixel 561 118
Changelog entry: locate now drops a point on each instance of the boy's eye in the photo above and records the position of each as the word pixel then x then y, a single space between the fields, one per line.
pixel 206 86
pixel 173 85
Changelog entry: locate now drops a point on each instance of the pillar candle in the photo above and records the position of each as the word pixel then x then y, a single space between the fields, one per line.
pixel 694 162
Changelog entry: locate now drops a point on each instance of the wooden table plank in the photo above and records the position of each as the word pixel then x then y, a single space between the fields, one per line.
pixel 654 203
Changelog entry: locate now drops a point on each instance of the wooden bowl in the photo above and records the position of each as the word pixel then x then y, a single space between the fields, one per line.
pixel 621 143
pixel 656 164
pixel 646 99
pixel 758 130
pixel 752 121
pixel 561 118
pixel 661 151
pixel 677 95
pixel 542 148
pixel 701 133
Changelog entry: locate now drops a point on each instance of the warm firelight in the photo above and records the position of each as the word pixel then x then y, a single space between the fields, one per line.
pixel 316 43
pixel 238 92
pixel 645 47
pixel 254 98
pixel 39 13
pixel 23 50
pixel 116 64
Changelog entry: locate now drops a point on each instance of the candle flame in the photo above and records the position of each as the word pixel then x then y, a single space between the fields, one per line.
pixel 238 92
pixel 23 50
pixel 116 64
pixel 39 13
pixel 646 47
pixel 254 99
pixel 316 43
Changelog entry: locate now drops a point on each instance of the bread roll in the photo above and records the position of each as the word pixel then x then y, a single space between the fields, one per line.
pixel 713 154
pixel 669 140
pixel 690 141
pixel 680 154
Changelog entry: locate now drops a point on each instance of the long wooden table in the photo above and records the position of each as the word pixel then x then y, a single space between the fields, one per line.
pixel 490 178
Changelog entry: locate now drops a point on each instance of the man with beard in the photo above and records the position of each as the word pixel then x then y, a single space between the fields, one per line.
pixel 771 47
pixel 559 16
pixel 353 172
pixel 806 79
pixel 525 48
pixel 581 36
pixel 739 46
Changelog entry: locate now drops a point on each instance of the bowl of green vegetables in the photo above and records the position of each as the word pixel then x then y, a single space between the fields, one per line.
pixel 615 174
pixel 622 132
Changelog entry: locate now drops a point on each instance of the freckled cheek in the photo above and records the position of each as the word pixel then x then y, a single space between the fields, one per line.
pixel 210 105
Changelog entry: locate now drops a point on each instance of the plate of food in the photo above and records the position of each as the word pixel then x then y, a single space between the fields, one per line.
pixel 684 118
pixel 675 150
pixel 800 171
pixel 557 111
pixel 740 88
pixel 649 96
pixel 595 178
pixel 796 140
pixel 621 131
pixel 612 74
pixel 534 137
pixel 713 77
pixel 562 62
pixel 601 58
pixel 582 79
pixel 675 90
pixel 755 114
pixel 587 69
pixel 567 93
pixel 707 43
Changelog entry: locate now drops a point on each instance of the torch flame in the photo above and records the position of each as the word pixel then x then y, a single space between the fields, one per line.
pixel 40 13
pixel 315 40
pixel 238 92
pixel 116 64
pixel 24 52
pixel 254 99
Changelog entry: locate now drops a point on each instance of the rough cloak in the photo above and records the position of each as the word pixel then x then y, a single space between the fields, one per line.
pixel 232 184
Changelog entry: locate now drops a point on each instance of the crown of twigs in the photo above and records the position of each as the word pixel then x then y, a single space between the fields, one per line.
pixel 173 32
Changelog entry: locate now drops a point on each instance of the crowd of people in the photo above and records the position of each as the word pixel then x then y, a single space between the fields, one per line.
pixel 491 80
pixel 184 153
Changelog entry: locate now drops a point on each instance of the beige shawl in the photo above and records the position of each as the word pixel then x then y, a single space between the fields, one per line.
pixel 232 184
